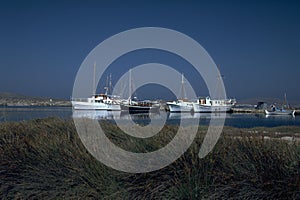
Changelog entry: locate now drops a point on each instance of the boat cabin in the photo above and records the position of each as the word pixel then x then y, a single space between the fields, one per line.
pixel 215 102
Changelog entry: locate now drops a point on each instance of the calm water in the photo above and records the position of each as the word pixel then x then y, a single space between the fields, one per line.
pixel 28 113
pixel 235 120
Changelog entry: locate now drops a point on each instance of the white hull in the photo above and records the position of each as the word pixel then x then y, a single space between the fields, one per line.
pixel 208 109
pixel 209 105
pixel 180 107
pixel 77 105
pixel 285 112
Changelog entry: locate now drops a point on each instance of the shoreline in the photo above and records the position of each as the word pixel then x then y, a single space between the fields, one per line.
pixel 255 111
pixel 275 132
pixel 69 105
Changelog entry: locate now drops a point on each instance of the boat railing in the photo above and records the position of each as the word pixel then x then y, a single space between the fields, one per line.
pixel 80 99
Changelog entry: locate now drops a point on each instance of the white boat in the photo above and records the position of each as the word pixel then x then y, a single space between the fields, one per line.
pixel 208 105
pixel 213 105
pixel 181 105
pixel 96 102
pixel 281 111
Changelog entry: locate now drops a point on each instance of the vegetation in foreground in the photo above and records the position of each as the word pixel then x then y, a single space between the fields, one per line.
pixel 46 159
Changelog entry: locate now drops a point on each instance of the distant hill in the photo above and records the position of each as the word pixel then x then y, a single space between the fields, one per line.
pixel 12 99
pixel 269 101
pixel 13 96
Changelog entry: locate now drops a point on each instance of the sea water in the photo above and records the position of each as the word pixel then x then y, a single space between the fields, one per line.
pixel 231 119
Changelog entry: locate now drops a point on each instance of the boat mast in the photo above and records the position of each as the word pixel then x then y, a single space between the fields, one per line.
pixel 94 79
pixel 285 101
pixel 110 89
pixel 217 92
pixel 183 95
pixel 129 98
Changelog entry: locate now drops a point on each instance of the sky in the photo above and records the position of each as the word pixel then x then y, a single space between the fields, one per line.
pixel 255 44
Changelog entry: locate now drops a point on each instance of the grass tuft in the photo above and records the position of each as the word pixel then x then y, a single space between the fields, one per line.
pixel 45 158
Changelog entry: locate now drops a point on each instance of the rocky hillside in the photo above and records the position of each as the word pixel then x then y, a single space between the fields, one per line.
pixel 10 99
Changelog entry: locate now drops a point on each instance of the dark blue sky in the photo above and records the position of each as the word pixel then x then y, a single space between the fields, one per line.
pixel 256 44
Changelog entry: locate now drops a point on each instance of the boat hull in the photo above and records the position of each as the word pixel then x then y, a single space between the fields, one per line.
pixel 77 105
pixel 139 109
pixel 208 109
pixel 285 112
pixel 173 107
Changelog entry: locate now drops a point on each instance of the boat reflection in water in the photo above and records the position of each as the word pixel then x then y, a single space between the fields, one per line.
pixel 175 115
pixel 96 114
pixel 114 115
pixel 282 117
pixel 123 115
pixel 139 116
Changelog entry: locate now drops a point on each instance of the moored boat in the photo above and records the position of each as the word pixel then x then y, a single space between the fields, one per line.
pixel 217 104
pixel 213 105
pixel 277 111
pixel 96 102
pixel 139 107
pixel 134 106
pixel 281 111
pixel 181 105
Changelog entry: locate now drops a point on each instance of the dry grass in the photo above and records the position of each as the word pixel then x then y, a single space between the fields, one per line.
pixel 46 159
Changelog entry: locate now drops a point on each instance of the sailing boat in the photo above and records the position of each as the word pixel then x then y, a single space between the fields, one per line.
pixel 96 101
pixel 137 106
pixel 213 105
pixel 181 105
pixel 281 111
pixel 207 105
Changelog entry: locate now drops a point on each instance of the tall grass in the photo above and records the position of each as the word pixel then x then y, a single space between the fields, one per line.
pixel 46 159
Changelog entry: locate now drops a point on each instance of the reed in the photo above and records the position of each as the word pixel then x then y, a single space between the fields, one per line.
pixel 44 158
